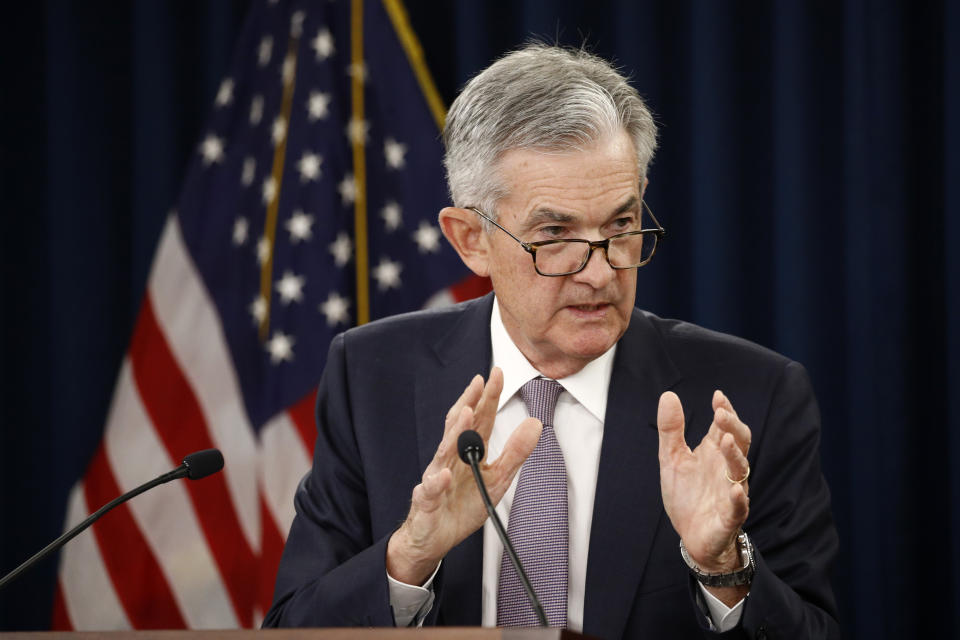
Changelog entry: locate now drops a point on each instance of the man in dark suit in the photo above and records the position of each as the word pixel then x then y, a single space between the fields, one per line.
pixel 547 152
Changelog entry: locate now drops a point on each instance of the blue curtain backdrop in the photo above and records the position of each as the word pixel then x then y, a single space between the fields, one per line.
pixel 809 177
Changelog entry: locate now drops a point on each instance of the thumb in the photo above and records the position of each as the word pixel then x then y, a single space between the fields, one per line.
pixel 670 425
pixel 518 448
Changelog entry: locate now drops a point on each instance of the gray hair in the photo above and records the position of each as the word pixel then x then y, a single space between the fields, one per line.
pixel 539 97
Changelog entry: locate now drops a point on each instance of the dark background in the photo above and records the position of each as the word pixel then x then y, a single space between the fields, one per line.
pixel 809 178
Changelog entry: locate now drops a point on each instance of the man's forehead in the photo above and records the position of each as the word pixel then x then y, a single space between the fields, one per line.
pixel 580 152
pixel 561 182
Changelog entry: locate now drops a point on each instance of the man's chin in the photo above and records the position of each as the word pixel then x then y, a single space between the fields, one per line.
pixel 593 344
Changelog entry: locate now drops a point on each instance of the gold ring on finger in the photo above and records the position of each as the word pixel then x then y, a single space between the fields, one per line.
pixel 741 480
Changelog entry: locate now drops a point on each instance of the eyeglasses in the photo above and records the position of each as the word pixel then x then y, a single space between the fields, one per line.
pixel 627 250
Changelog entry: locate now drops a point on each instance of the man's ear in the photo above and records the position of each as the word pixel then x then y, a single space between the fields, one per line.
pixel 464 231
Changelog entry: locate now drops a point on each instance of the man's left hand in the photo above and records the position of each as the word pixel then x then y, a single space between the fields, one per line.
pixel 702 492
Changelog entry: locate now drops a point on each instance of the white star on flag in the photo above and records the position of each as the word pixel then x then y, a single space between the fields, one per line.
pixel 394 152
pixel 263 250
pixel 265 51
pixel 309 166
pixel 269 190
pixel 240 230
pixel 290 287
pixel 258 309
pixel 336 309
pixel 357 131
pixel 249 171
pixel 387 274
pixel 280 347
pixel 256 109
pixel 279 130
pixel 342 249
pixel 427 237
pixel 323 44
pixel 296 24
pixel 347 189
pixel 225 93
pixel 299 226
pixel 392 216
pixel 211 149
pixel 318 105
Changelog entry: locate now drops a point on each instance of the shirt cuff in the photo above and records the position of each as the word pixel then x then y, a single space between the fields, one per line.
pixel 411 603
pixel 722 618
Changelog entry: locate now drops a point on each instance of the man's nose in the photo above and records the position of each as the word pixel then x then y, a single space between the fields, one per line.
pixel 598 271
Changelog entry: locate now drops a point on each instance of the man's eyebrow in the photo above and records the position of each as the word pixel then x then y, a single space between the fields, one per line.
pixel 547 215
pixel 542 215
pixel 631 203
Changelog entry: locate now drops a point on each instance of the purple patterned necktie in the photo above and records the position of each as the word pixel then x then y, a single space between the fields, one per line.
pixel 538 525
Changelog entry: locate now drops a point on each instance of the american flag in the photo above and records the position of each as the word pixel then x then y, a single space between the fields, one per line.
pixel 310 205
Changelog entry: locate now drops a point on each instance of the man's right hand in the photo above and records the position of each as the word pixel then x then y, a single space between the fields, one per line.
pixel 446 506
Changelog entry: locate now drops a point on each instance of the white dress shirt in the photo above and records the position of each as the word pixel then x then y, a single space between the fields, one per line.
pixel 578 424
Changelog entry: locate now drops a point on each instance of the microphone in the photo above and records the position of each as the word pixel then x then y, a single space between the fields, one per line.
pixel 201 464
pixel 470 448
pixel 198 464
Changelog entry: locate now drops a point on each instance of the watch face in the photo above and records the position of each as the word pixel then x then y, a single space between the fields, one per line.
pixel 743 543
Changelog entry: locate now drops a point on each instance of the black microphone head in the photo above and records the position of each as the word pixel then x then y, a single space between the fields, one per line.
pixel 200 464
pixel 470 442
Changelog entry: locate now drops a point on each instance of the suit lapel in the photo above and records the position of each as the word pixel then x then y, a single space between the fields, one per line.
pixel 460 354
pixel 628 505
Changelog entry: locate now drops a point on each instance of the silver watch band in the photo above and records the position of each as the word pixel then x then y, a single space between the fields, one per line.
pixel 741 576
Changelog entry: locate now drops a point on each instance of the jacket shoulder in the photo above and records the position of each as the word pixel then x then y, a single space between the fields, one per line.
pixel 400 332
pixel 693 348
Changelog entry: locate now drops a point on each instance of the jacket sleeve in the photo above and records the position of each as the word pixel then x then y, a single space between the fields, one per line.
pixel 332 573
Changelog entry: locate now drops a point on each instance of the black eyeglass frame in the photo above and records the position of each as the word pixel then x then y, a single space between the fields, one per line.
pixel 531 247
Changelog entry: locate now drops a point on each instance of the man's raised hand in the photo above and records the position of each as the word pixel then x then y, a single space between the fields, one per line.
pixel 702 489
pixel 446 505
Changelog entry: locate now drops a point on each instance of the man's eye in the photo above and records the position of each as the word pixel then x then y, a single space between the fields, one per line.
pixel 554 231
pixel 620 225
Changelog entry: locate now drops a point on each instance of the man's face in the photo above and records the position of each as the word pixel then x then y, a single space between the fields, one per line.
pixel 561 323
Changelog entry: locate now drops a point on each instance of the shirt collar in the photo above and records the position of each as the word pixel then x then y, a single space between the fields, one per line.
pixel 589 386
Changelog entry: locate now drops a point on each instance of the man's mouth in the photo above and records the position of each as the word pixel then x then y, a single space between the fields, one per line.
pixel 588 308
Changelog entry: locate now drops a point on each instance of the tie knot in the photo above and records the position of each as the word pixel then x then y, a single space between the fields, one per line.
pixel 540 396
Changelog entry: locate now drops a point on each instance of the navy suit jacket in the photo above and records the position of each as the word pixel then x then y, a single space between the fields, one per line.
pixel 380 413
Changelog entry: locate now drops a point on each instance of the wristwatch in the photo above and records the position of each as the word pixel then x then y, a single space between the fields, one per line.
pixel 736 578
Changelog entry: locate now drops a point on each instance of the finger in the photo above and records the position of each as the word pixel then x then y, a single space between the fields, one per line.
pixel 728 422
pixel 446 454
pixel 670 426
pixel 468 398
pixel 739 507
pixel 518 448
pixel 427 496
pixel 720 400
pixel 737 464
pixel 485 413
